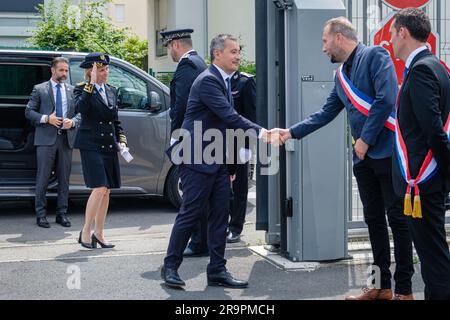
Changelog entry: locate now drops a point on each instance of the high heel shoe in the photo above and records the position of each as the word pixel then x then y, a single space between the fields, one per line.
pixel 95 241
pixel 84 245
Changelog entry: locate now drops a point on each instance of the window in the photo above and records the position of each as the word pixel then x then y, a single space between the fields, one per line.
pixel 132 90
pixel 120 13
pixel 160 25
pixel 20 6
pixel 17 81
pixel 76 73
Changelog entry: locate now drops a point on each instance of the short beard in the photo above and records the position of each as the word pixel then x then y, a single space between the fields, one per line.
pixel 61 79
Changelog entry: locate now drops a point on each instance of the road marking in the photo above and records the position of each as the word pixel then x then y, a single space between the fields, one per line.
pixel 91 257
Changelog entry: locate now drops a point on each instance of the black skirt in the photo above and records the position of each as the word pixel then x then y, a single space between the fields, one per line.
pixel 100 169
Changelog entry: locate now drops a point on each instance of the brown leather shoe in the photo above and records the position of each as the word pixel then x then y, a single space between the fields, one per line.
pixel 403 297
pixel 372 294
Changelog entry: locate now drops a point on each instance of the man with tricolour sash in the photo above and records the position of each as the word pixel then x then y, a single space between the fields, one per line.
pixel 421 165
pixel 366 87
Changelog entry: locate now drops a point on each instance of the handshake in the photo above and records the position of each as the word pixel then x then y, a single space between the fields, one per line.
pixel 276 137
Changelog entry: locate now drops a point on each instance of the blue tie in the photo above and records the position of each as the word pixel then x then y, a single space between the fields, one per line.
pixel 59 108
pixel 230 95
pixel 405 73
pixel 101 95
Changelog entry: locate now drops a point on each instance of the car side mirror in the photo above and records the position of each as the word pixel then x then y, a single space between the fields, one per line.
pixel 155 104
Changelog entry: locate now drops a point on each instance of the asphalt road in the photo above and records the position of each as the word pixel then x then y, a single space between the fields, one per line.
pixel 50 265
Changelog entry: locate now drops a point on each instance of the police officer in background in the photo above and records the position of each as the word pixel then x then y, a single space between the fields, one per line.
pixel 190 65
pixel 244 95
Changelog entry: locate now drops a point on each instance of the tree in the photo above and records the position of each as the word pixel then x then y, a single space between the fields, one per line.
pixel 248 66
pixel 84 28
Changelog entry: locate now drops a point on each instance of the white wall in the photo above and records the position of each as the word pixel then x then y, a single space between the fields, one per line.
pixel 236 17
pixel 181 14
pixel 136 17
pixel 208 18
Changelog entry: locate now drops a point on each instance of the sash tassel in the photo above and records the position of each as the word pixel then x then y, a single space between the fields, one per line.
pixel 428 170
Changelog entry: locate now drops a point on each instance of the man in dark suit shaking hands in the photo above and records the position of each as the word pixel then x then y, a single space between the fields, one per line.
pixel 210 105
pixel 422 159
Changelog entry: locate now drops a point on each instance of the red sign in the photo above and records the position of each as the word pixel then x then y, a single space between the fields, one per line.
pixel 383 37
pixel 402 4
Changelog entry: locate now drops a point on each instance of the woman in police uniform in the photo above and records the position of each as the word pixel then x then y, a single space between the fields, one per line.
pixel 100 137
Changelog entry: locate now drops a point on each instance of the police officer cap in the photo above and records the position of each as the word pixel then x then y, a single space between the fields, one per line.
pixel 96 57
pixel 168 36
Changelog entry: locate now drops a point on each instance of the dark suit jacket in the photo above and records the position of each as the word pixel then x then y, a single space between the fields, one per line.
pixel 187 71
pixel 100 126
pixel 372 73
pixel 424 105
pixel 209 105
pixel 42 102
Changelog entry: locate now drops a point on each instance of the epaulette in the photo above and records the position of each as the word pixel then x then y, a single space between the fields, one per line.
pixel 81 83
pixel 247 75
pixel 89 88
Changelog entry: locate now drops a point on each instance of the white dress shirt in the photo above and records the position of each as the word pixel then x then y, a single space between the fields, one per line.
pixel 102 92
pixel 413 55
pixel 63 96
pixel 225 76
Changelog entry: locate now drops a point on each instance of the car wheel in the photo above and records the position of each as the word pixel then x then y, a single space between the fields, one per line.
pixel 173 188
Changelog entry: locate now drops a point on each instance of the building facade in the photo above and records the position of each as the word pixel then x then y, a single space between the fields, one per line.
pixel 147 18
pixel 17 19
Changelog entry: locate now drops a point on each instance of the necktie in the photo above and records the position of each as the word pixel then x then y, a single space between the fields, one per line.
pixel 230 95
pixel 59 109
pixel 102 94
pixel 405 73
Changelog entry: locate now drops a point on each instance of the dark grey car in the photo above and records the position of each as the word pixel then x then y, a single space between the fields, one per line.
pixel 143 103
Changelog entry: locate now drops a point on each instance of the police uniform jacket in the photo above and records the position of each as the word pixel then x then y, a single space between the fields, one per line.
pixel 244 94
pixel 100 128
pixel 187 71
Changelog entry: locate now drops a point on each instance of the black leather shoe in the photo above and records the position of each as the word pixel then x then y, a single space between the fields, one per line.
pixel 225 279
pixel 233 237
pixel 95 241
pixel 63 221
pixel 43 223
pixel 171 278
pixel 188 253
pixel 84 245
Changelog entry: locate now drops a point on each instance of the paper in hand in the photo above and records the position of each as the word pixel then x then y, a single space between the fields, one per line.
pixel 245 155
pixel 125 153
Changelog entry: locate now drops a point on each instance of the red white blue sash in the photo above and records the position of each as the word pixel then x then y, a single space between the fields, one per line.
pixel 361 101
pixel 427 171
